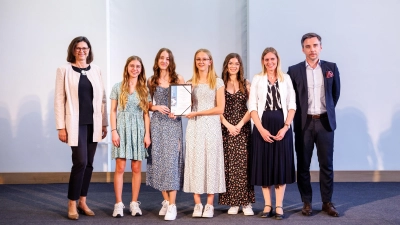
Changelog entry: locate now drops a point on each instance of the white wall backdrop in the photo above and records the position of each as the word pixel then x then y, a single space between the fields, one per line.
pixel 34 39
pixel 363 39
pixel 360 36
pixel 143 27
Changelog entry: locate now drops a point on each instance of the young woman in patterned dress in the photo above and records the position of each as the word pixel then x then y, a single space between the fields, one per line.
pixel 236 138
pixel 130 129
pixel 204 158
pixel 165 162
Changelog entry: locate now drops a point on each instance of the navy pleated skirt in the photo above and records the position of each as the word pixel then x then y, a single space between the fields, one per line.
pixel 272 163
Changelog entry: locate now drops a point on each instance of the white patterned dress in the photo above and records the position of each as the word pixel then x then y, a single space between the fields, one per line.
pixel 204 157
pixel 130 127
pixel 165 163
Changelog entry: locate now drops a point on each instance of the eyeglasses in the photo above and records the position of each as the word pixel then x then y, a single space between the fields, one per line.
pixel 202 60
pixel 83 49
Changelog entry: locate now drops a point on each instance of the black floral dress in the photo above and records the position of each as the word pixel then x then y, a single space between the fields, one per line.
pixel 236 153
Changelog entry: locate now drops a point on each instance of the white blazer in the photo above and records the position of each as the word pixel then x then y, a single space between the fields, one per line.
pixel 258 94
pixel 66 102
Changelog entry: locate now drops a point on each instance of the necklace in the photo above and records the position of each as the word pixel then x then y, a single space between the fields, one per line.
pixel 83 70
pixel 271 79
pixel 132 82
pixel 163 79
pixel 235 85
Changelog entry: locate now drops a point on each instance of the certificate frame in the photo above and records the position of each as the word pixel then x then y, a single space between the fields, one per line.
pixel 180 99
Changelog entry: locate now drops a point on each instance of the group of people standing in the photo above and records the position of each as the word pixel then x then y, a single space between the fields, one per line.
pixel 220 153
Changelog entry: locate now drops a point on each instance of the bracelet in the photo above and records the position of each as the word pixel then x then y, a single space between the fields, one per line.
pixel 113 129
pixel 288 125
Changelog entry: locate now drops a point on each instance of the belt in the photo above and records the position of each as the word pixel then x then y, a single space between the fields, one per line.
pixel 317 116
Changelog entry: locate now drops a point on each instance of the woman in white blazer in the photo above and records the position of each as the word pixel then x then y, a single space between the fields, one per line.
pixel 272 105
pixel 81 118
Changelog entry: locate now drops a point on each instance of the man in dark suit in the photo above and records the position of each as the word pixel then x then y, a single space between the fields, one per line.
pixel 317 86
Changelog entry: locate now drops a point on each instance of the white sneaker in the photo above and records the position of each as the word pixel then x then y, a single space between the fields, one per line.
pixel 198 210
pixel 208 211
pixel 171 212
pixel 164 207
pixel 134 208
pixel 233 210
pixel 247 210
pixel 118 210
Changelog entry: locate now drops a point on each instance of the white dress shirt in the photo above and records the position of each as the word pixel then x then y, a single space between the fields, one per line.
pixel 316 90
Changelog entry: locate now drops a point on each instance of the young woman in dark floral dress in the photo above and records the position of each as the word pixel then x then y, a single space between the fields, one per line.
pixel 236 138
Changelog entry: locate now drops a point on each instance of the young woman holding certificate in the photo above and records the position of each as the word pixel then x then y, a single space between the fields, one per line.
pixel 204 159
pixel 165 163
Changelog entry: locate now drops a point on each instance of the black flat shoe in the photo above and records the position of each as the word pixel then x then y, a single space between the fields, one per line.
pixel 279 216
pixel 267 214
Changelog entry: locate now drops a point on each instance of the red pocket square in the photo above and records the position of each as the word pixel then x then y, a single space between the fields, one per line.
pixel 329 74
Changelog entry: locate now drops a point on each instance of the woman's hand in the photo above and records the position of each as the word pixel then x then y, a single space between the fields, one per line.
pixel 191 115
pixel 239 127
pixel 104 132
pixel 63 135
pixel 163 109
pixel 172 116
pixel 115 138
pixel 233 130
pixel 147 141
pixel 281 133
pixel 266 135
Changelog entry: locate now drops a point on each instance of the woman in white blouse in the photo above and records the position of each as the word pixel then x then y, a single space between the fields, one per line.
pixel 272 105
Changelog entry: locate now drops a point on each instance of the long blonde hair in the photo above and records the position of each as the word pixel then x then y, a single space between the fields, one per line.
pixel 211 76
pixel 141 87
pixel 278 70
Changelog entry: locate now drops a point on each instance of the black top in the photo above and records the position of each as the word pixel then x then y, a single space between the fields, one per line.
pixel 85 95
pixel 273 97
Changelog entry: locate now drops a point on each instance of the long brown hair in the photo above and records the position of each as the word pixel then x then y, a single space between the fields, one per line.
pixel 141 87
pixel 173 76
pixel 239 76
pixel 211 76
pixel 278 70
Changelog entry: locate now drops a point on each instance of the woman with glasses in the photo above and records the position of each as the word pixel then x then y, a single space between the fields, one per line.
pixel 204 158
pixel 80 113
pixel 236 138
pixel 165 162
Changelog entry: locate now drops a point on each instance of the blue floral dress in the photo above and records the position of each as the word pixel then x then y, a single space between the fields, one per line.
pixel 130 127
pixel 165 163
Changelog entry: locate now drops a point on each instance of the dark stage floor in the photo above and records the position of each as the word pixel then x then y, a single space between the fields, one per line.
pixel 358 203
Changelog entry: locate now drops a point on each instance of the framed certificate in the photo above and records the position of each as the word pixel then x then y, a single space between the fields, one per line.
pixel 180 99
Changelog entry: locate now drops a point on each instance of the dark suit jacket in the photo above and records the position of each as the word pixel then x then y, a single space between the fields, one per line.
pixel 332 92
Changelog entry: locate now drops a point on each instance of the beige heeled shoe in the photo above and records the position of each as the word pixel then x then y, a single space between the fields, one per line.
pixel 87 212
pixel 73 216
